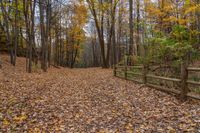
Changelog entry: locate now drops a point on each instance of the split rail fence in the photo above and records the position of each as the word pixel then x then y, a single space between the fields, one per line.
pixel 184 81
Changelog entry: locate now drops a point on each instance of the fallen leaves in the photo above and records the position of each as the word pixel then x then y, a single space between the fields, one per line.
pixel 5 122
pixel 20 119
pixel 129 128
pixel 171 129
pixel 88 100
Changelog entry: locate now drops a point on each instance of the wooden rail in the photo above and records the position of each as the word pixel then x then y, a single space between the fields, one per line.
pixel 137 81
pixel 136 67
pixel 184 82
pixel 163 88
pixel 193 82
pixel 193 69
pixel 164 78
pixel 133 73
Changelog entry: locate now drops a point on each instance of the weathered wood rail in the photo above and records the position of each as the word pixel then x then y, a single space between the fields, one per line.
pixel 184 82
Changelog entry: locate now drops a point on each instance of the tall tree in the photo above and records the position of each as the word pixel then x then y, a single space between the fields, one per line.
pixel 131 47
pixel 99 14
pixel 138 27
pixel 44 36
pixel 16 31
pixel 29 14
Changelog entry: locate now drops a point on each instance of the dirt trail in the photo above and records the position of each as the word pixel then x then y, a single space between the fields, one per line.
pixel 87 100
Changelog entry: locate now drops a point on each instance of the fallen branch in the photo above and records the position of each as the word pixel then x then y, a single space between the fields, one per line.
pixel 55 66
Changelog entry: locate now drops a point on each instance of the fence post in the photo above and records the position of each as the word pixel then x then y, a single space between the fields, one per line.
pixel 144 74
pixel 184 77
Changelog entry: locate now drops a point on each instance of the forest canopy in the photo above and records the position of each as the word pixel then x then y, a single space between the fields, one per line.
pixel 92 33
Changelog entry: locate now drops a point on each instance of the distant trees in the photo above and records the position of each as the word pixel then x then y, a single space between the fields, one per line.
pixel 71 35
pixel 46 35
pixel 95 32
pixel 98 10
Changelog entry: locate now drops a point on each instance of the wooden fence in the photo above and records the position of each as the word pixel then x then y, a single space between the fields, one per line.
pixel 184 82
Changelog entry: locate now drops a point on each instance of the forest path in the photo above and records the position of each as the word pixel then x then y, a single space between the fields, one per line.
pixel 87 100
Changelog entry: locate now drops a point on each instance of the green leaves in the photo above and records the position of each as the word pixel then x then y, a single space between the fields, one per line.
pixel 180 33
pixel 175 45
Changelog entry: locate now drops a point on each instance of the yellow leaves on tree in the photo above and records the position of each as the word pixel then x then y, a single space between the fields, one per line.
pixel 80 17
pixel 79 20
pixel 166 13
pixel 192 9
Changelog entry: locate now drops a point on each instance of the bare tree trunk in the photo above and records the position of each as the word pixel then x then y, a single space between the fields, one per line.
pixel 114 37
pixel 74 58
pixel 48 31
pixel 111 31
pixel 0 62
pixel 138 29
pixel 131 50
pixel 100 29
pixel 16 32
pixel 114 47
pixel 43 40
pixel 119 32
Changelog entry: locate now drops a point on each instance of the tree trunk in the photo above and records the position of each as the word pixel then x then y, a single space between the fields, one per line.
pixel 43 38
pixel 16 32
pixel 131 50
pixel 0 62
pixel 138 29
pixel 100 30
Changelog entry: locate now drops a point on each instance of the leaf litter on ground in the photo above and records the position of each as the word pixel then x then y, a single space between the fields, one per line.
pixel 87 100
